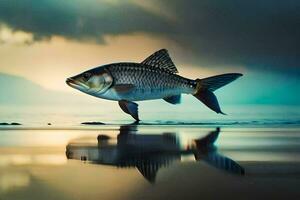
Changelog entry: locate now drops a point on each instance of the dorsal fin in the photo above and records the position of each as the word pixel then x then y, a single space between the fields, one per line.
pixel 161 59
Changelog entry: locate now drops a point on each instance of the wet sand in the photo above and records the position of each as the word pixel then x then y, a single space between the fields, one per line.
pixel 166 162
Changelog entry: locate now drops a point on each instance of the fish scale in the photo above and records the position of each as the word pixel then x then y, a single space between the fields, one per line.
pixel 148 77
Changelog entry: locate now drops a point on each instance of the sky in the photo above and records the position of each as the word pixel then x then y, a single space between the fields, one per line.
pixel 47 41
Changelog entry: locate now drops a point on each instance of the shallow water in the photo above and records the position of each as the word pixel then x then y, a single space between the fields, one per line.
pixel 149 162
pixel 151 113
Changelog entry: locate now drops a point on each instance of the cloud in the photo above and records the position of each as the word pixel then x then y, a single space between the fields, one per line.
pixel 253 34
pixel 76 19
pixel 7 36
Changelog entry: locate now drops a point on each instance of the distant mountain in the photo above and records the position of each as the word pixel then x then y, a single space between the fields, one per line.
pixel 18 90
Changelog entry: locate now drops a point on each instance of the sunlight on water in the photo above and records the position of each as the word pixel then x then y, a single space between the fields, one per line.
pixel 137 159
pixel 10 181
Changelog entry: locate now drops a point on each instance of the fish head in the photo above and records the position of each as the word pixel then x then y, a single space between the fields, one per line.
pixel 93 82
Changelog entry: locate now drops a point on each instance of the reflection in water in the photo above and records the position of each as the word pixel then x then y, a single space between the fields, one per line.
pixel 150 152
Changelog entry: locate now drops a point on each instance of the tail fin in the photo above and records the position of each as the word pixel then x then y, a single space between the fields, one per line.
pixel 205 88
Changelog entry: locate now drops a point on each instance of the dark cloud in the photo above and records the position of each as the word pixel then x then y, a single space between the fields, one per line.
pixel 76 19
pixel 256 34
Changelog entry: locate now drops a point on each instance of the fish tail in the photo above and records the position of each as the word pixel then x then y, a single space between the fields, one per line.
pixel 205 88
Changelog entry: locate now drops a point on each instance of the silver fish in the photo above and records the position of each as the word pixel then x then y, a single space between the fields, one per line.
pixel 154 78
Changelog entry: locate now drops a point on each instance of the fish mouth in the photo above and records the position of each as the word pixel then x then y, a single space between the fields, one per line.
pixel 76 84
pixel 71 83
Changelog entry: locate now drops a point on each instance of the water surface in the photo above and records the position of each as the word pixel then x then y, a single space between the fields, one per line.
pixel 149 162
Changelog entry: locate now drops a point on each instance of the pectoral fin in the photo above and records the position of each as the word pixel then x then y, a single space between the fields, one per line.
pixel 176 99
pixel 123 88
pixel 130 108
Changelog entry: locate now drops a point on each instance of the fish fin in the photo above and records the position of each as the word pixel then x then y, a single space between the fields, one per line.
pixel 176 99
pixel 210 100
pixel 206 151
pixel 206 86
pixel 148 170
pixel 161 59
pixel 208 140
pixel 223 163
pixel 215 82
pixel 130 108
pixel 123 88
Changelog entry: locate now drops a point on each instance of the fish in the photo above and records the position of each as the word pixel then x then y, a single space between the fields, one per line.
pixel 155 78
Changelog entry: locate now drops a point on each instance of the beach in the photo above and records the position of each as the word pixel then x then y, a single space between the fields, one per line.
pixel 150 162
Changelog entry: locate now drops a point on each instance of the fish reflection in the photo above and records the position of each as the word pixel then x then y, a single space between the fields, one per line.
pixel 150 152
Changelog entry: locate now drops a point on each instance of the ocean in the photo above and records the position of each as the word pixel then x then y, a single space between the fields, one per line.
pixel 73 115
pixel 253 152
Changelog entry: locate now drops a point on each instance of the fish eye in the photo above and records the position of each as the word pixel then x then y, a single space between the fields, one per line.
pixel 87 75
